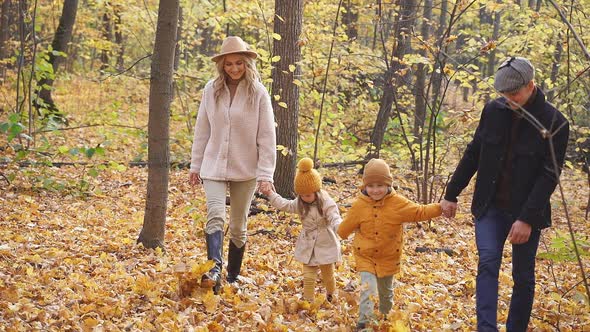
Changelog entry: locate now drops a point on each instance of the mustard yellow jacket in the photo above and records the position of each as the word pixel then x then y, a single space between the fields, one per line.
pixel 378 241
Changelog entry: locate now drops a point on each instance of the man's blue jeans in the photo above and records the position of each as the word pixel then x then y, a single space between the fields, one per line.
pixel 491 231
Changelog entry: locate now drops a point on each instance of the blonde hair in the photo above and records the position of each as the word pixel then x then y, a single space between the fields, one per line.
pixel 303 207
pixel 251 76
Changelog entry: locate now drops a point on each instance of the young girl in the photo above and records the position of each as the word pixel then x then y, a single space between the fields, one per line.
pixel 377 216
pixel 317 245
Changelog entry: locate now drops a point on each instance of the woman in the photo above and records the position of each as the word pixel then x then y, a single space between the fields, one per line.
pixel 234 146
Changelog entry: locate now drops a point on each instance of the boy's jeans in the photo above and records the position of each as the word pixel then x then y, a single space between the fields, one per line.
pixel 371 285
pixel 491 231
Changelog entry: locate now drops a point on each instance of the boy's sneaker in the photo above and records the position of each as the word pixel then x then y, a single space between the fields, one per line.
pixel 329 297
pixel 360 326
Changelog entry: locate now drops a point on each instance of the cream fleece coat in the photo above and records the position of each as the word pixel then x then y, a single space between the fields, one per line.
pixel 317 243
pixel 234 142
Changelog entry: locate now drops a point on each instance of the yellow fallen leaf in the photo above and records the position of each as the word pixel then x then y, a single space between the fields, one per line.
pixel 89 323
pixel 210 301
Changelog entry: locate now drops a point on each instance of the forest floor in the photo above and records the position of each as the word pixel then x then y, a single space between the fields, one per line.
pixel 69 258
pixel 70 262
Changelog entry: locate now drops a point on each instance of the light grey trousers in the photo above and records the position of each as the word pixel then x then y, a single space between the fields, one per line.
pixel 240 196
pixel 371 286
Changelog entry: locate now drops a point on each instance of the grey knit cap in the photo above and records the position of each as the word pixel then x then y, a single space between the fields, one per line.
pixel 513 74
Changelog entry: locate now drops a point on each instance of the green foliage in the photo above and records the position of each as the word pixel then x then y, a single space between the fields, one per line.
pixel 562 248
pixel 12 127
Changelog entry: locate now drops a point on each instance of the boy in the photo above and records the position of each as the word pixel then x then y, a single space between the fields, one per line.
pixel 377 216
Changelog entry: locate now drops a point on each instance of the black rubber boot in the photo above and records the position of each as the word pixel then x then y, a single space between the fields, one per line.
pixel 234 261
pixel 214 252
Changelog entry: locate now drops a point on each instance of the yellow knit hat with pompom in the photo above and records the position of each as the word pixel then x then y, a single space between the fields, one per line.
pixel 307 179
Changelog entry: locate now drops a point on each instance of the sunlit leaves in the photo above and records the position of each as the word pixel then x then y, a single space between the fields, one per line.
pixel 70 263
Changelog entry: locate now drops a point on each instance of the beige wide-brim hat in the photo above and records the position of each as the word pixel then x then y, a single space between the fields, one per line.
pixel 234 44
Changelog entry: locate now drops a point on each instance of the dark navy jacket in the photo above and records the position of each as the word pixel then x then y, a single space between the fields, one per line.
pixel 533 177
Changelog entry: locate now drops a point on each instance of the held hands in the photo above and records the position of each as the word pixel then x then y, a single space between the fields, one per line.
pixel 520 232
pixel 194 179
pixel 449 209
pixel 265 187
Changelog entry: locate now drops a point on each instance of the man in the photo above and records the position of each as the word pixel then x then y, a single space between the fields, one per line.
pixel 511 154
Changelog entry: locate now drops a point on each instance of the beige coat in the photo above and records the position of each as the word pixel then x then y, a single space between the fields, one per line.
pixel 378 241
pixel 317 243
pixel 237 142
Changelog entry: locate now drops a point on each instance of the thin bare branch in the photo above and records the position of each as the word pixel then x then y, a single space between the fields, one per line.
pixel 126 70
pixel 317 133
pixel 569 25
pixel 88 126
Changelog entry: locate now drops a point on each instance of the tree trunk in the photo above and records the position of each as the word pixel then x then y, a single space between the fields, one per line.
pixel 227 25
pixel 5 20
pixel 287 118
pixel 119 38
pixel 161 92
pixel 420 87
pixel 178 39
pixel 555 67
pixel 484 16
pixel 421 100
pixel 382 117
pixel 376 24
pixel 350 19
pixel 107 35
pixel 62 37
pixel 207 44
pixel 403 37
pixel 495 36
pixel 442 25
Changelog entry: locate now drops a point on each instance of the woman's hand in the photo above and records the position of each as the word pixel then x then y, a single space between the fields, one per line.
pixel 194 179
pixel 265 187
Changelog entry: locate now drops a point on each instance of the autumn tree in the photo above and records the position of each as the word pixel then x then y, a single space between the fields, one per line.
pixel 5 22
pixel 287 24
pixel 107 34
pixel 350 18
pixel 495 35
pixel 392 77
pixel 161 92
pixel 62 37
pixel 119 39
pixel 421 98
